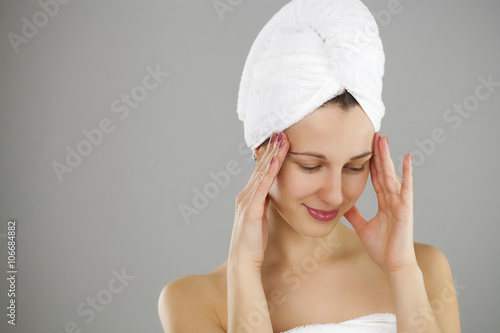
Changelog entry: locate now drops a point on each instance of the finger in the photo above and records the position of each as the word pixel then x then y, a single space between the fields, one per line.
pixel 266 180
pixel 379 183
pixel 266 160
pixel 262 184
pixel 246 194
pixel 260 169
pixel 261 165
pixel 374 177
pixel 377 163
pixel 253 203
pixel 373 169
pixel 355 218
pixel 407 182
pixel 390 178
pixel 265 222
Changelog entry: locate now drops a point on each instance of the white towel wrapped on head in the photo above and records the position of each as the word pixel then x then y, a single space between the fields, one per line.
pixel 309 52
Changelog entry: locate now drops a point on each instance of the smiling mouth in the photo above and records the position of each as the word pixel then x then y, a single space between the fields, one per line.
pixel 322 215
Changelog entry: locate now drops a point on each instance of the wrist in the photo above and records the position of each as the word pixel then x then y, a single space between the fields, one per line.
pixel 241 267
pixel 406 274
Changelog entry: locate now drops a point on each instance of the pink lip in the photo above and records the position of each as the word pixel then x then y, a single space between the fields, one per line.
pixel 322 215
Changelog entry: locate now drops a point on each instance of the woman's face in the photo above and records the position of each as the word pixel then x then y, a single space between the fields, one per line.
pixel 334 180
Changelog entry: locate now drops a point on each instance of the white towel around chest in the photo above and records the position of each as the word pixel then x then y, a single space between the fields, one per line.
pixel 373 323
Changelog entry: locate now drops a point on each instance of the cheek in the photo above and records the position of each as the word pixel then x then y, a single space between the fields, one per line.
pixel 291 183
pixel 355 185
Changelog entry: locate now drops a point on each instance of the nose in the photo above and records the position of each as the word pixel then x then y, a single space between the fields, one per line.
pixel 331 190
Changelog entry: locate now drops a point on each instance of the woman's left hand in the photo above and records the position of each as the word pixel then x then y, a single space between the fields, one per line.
pixel 388 237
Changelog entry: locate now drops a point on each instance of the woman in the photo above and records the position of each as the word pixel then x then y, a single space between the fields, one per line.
pixel 293 266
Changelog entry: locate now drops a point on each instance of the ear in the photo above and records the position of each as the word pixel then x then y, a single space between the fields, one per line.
pixel 257 153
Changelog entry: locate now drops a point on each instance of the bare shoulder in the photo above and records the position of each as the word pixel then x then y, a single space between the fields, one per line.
pixel 432 261
pixel 439 285
pixel 434 266
pixel 187 304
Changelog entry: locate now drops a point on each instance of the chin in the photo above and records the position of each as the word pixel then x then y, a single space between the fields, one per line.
pixel 319 231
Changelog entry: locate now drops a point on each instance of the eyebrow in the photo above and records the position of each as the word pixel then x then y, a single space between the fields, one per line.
pixel 323 157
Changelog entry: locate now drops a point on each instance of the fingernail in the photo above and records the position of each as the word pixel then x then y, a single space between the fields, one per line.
pixel 280 136
pixel 411 159
pixel 272 160
pixel 273 138
pixel 281 143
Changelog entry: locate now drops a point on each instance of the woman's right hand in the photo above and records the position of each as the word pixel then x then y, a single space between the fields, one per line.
pixel 250 230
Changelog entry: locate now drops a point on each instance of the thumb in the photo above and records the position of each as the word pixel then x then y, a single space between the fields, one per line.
pixel 355 218
pixel 266 204
pixel 265 223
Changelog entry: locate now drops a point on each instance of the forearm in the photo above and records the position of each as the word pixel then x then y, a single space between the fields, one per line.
pixel 247 305
pixel 413 310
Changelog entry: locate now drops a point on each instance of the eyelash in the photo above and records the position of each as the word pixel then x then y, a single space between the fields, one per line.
pixel 311 169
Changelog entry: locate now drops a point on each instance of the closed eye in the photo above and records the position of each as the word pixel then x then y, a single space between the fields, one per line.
pixel 356 169
pixel 311 169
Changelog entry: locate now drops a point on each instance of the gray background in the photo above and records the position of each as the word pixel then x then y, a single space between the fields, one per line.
pixel 119 209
